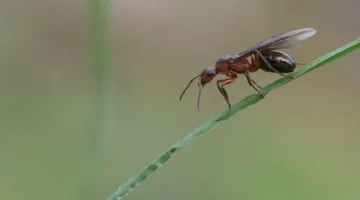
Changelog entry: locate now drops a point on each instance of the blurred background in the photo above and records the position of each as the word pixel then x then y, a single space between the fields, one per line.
pixel 66 133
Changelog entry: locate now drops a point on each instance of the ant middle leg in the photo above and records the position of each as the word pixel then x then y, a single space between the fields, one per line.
pixel 250 81
pixel 255 62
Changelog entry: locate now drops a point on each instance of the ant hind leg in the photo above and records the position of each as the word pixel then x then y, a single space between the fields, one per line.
pixel 268 64
pixel 250 81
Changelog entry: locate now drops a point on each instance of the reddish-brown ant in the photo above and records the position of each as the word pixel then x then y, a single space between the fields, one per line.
pixel 263 55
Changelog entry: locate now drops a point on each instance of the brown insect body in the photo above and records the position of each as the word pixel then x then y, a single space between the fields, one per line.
pixel 263 55
pixel 232 63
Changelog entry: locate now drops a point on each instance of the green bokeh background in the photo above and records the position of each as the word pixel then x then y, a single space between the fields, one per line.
pixel 301 143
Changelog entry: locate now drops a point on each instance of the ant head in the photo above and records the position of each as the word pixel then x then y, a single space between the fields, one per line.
pixel 207 75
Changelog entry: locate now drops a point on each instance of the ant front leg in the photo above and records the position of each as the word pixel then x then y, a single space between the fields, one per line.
pixel 222 82
pixel 268 64
pixel 250 81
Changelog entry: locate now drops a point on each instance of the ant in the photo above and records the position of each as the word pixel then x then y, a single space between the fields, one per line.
pixel 263 55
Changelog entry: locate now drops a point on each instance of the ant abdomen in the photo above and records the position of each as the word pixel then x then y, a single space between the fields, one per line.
pixel 279 60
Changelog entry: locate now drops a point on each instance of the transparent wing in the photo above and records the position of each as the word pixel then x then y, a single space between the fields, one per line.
pixel 285 40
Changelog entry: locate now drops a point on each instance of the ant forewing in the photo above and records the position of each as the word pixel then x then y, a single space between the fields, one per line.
pixel 264 55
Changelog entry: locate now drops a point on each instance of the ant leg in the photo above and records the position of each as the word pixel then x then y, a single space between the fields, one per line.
pixel 252 80
pixel 222 89
pixel 268 64
pixel 222 82
pixel 246 73
pixel 254 62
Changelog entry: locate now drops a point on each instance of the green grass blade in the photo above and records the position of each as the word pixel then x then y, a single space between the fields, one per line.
pixel 99 66
pixel 240 106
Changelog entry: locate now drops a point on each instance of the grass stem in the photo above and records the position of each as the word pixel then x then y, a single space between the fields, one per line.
pixel 129 185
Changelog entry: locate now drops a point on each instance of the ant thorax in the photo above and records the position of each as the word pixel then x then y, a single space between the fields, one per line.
pixel 222 64
pixel 226 58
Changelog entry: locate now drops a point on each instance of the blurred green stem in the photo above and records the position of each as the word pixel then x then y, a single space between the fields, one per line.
pixel 129 185
pixel 99 57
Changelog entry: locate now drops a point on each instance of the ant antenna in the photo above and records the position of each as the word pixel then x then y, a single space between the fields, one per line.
pixel 301 63
pixel 189 85
pixel 198 101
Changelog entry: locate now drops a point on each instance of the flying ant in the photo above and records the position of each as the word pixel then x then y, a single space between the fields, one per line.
pixel 264 55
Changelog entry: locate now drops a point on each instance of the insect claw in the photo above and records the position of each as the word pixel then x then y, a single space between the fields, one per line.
pixel 291 77
pixel 261 95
